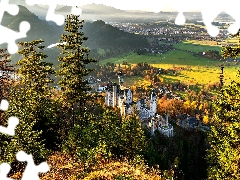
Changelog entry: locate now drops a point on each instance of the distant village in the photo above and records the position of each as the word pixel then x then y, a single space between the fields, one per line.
pixel 168 32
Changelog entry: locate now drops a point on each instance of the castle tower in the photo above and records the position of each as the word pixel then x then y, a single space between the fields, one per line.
pixel 129 96
pixel 152 126
pixel 167 119
pixel 109 95
pixel 120 78
pixel 114 96
pixel 107 98
pixel 153 104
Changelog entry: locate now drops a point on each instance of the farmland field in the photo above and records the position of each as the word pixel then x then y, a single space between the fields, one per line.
pixel 197 46
pixel 177 57
pixel 201 70
pixel 202 75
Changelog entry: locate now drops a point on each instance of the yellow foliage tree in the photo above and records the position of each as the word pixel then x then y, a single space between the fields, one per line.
pixel 205 119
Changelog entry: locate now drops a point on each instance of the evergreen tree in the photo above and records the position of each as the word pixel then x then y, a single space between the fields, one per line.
pixel 30 102
pixel 35 74
pixel 133 140
pixel 36 78
pixel 224 137
pixel 106 136
pixel 72 69
pixel 26 138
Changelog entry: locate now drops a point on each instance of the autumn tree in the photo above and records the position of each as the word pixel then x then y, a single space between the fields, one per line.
pixel 30 102
pixel 224 137
pixel 106 136
pixel 224 154
pixel 234 50
pixel 5 80
pixel 6 68
pixel 72 68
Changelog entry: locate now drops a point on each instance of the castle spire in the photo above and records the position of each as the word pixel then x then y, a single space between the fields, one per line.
pixel 120 78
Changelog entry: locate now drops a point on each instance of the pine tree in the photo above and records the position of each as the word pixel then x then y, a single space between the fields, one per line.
pixel 30 102
pixel 224 137
pixel 36 79
pixel 35 74
pixel 72 69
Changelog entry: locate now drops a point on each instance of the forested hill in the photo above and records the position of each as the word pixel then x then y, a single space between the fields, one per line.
pixel 100 35
pixel 39 28
pixel 94 9
pixel 110 38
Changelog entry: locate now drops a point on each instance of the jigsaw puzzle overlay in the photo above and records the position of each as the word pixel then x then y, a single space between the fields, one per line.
pixel 31 171
pixel 51 16
pixel 7 35
pixel 210 10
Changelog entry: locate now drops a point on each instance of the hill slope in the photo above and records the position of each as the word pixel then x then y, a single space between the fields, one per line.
pixel 39 28
pixel 101 35
pixel 105 36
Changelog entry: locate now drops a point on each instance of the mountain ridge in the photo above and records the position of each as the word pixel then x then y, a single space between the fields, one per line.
pixel 100 35
pixel 94 8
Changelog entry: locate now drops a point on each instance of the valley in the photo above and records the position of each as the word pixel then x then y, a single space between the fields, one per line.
pixel 126 89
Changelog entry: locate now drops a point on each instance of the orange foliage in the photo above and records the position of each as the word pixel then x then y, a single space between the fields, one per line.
pixel 172 106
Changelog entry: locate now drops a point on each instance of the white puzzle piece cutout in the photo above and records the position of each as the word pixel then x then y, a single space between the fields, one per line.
pixel 12 121
pixel 7 35
pixel 51 16
pixel 210 9
pixel 31 171
pixel 4 170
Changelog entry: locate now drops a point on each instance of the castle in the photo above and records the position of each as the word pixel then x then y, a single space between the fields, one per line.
pixel 119 96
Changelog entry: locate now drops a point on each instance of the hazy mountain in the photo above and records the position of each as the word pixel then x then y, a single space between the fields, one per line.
pixel 92 12
pixel 109 37
pixel 39 28
pixel 38 10
pixel 101 35
pixel 94 8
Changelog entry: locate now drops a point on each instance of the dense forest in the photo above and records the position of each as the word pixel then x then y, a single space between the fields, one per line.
pixel 81 138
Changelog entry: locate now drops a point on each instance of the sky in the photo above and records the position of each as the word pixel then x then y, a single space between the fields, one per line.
pixel 143 5
pixel 149 5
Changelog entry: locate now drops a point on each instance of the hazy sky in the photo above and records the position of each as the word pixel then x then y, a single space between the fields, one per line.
pixel 145 5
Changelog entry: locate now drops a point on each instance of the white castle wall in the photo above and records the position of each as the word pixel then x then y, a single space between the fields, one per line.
pixel 123 102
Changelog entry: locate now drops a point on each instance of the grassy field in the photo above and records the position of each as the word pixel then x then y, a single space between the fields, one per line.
pixel 208 43
pixel 198 46
pixel 203 70
pixel 177 57
pixel 202 75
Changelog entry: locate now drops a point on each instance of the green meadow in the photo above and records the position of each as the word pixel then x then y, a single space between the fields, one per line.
pixel 202 75
pixel 175 57
pixel 201 70
pixel 198 46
